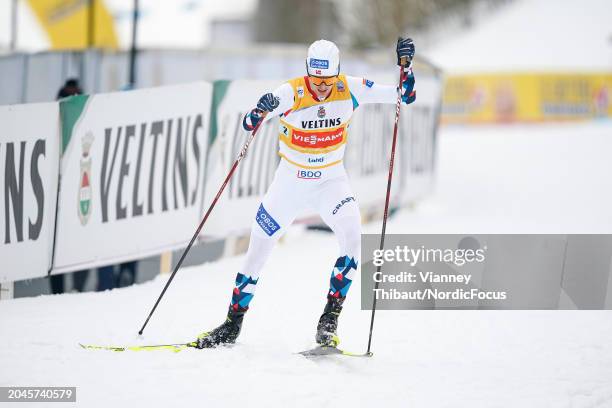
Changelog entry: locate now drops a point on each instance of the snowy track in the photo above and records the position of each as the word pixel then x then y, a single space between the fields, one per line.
pixel 422 358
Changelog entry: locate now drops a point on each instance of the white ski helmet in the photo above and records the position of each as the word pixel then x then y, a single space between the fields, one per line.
pixel 323 59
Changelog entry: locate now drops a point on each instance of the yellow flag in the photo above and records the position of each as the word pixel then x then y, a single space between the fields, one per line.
pixel 66 23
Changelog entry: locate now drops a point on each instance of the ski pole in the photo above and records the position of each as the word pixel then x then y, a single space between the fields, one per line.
pixel 212 205
pixel 403 63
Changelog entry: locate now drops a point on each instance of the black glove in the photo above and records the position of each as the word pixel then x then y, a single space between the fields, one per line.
pixel 405 48
pixel 267 103
pixel 251 119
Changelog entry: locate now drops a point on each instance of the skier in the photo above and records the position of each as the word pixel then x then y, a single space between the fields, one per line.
pixel 314 111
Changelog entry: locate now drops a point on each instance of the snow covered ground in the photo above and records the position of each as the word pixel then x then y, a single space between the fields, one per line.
pixel 544 178
pixel 531 35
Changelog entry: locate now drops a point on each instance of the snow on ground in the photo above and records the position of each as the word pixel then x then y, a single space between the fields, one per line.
pixel 491 179
pixel 528 35
pixel 553 179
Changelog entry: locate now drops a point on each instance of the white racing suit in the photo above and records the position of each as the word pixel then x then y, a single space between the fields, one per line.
pixel 312 138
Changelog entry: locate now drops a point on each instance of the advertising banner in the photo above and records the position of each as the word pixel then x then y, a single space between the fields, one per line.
pixel 238 204
pixel 371 135
pixel 132 173
pixel 526 97
pixel 417 144
pixel 29 160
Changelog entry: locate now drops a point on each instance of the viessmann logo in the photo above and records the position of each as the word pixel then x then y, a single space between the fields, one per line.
pixel 317 140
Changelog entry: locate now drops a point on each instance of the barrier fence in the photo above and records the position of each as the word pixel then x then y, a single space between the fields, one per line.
pixel 106 178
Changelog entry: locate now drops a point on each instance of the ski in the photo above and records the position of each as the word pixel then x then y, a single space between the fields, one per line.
pixel 176 347
pixel 330 351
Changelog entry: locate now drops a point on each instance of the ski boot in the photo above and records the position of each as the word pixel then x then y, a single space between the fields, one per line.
pixel 227 333
pixel 328 323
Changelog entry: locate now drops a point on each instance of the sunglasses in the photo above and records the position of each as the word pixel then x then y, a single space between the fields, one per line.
pixel 318 81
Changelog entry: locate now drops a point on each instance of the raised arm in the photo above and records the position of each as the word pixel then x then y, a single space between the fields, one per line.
pixel 366 91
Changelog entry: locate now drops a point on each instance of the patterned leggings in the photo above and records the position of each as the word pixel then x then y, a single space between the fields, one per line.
pixel 331 196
